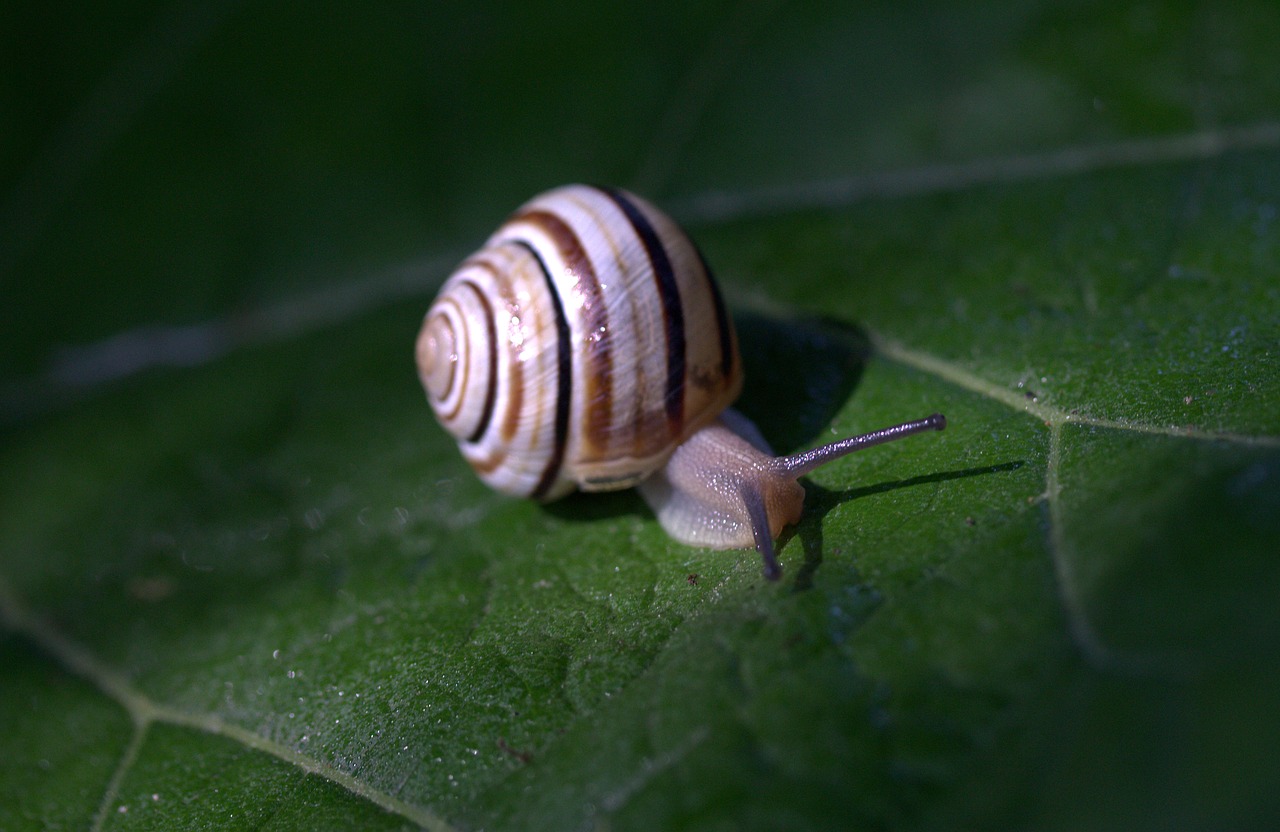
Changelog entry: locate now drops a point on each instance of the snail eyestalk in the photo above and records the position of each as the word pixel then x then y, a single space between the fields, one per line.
pixel 802 463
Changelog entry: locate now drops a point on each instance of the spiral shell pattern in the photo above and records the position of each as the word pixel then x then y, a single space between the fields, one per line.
pixel 579 347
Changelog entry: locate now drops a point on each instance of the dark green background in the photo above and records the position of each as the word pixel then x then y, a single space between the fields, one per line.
pixel 245 582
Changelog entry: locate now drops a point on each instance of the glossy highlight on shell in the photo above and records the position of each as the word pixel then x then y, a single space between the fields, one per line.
pixel 579 346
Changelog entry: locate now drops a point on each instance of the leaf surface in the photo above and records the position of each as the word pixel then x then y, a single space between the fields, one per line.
pixel 245 582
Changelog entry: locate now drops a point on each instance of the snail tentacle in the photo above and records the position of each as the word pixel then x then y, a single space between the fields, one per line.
pixel 753 501
pixel 802 463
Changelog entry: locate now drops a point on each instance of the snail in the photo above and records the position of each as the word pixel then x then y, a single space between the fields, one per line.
pixel 586 345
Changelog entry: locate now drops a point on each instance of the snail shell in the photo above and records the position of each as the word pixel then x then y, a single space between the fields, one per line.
pixel 586 345
pixel 579 346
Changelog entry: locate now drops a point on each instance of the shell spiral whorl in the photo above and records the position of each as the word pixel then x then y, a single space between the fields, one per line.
pixel 579 346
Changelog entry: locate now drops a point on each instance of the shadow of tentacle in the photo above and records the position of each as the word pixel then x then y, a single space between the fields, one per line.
pixel 819 501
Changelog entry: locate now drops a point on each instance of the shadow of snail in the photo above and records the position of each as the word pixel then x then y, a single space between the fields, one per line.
pixel 586 346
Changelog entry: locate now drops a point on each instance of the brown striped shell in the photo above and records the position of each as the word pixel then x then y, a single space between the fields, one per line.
pixel 579 346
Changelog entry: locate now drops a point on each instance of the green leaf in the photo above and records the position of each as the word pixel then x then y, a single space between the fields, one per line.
pixel 245 581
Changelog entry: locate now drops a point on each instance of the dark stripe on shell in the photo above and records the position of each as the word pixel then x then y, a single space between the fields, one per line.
pixel 597 374
pixel 491 388
pixel 672 311
pixel 564 382
pixel 513 366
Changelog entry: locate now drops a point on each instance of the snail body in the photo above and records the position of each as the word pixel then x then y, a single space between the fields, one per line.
pixel 586 345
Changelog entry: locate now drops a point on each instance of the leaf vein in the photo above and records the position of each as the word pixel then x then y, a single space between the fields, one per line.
pixel 144 711
pixel 1052 416
pixel 81 370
